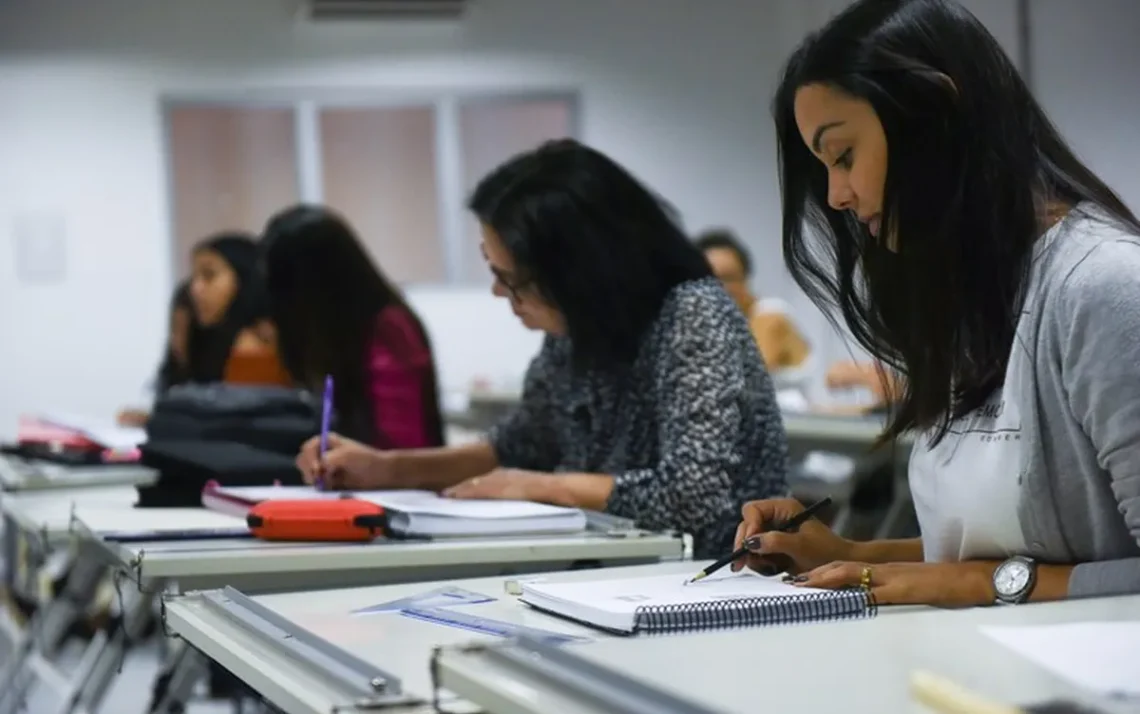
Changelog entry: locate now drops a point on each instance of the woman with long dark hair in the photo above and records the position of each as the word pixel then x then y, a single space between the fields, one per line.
pixel 337 314
pixel 648 398
pixel 173 369
pixel 231 331
pixel 929 200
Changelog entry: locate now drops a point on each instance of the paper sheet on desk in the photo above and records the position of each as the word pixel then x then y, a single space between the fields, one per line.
pixel 106 433
pixel 1101 656
pixel 407 501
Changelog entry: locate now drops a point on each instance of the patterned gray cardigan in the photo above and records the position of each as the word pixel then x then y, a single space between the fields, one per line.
pixel 690 431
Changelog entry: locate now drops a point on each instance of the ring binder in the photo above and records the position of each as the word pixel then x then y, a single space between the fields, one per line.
pixel 756 611
pixel 665 603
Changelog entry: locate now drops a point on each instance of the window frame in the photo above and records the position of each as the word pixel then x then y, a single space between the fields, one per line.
pixel 306 106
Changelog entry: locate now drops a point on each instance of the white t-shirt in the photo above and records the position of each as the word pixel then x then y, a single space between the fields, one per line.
pixel 966 489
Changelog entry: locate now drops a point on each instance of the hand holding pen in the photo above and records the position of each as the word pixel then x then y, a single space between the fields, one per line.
pixel 809 546
pixel 745 544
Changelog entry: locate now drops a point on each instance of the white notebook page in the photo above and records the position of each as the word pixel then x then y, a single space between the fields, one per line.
pixel 614 603
pixel 408 501
pixel 1100 656
pixel 628 594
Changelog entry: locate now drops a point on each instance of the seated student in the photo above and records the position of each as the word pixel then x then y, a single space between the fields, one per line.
pixel 648 398
pixel 231 339
pixel 966 242
pixel 172 371
pixel 336 314
pixel 780 343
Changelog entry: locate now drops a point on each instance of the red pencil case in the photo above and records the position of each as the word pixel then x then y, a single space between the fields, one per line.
pixel 342 519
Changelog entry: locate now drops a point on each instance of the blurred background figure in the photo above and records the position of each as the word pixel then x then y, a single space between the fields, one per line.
pixel 785 351
pixel 337 314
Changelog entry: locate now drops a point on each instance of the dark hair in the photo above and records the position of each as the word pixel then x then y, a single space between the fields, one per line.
pixel 722 238
pixel 173 371
pixel 209 348
pixel 594 241
pixel 326 295
pixel 973 163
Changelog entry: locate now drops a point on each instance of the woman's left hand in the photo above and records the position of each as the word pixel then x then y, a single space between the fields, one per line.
pixel 939 584
pixel 505 484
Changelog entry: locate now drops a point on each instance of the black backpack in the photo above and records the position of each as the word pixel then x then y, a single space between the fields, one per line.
pixel 236 435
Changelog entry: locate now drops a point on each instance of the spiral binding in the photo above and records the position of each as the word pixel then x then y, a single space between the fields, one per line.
pixel 756 611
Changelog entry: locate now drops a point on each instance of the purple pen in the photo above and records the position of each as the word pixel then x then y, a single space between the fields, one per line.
pixel 326 417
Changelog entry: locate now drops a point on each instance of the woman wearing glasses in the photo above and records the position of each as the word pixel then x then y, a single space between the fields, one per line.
pixel 648 398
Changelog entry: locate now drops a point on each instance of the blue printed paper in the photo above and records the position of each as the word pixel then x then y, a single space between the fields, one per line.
pixel 487 626
pixel 438 598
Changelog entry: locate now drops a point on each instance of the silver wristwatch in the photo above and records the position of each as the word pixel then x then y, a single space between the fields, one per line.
pixel 1014 580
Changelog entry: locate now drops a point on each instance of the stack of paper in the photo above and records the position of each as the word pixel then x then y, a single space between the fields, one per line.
pixel 421 513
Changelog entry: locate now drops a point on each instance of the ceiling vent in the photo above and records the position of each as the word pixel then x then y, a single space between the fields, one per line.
pixel 384 9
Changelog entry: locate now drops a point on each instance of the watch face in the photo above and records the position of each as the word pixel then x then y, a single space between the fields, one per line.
pixel 1011 578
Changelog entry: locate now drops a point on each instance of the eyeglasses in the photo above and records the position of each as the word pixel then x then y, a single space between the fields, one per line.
pixel 514 286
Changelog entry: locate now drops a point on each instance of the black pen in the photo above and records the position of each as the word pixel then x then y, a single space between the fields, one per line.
pixel 793 523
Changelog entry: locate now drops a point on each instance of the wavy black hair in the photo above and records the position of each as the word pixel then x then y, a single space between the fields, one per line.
pixel 973 167
pixel 594 241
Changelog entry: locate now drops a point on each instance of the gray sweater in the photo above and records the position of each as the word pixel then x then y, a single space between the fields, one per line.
pixel 1080 407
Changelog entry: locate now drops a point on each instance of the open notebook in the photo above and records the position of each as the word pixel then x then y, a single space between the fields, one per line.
pixel 665 603
pixel 418 513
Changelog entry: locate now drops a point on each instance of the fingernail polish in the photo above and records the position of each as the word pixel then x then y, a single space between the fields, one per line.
pixel 752 543
pixel 768 570
pixel 800 579
pixel 787 578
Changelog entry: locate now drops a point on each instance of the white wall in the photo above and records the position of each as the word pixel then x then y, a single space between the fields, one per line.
pixel 1086 72
pixel 676 89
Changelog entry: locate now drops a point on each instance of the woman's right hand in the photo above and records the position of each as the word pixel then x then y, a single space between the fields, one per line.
pixel 809 546
pixel 133 418
pixel 347 464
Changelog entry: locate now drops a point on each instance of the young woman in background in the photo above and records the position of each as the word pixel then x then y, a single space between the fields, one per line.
pixel 232 338
pixel 648 398
pixel 966 246
pixel 173 369
pixel 336 314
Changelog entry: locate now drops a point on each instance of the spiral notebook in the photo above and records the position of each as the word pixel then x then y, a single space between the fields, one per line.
pixel 665 603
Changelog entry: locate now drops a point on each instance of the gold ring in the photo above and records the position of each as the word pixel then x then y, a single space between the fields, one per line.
pixel 865 578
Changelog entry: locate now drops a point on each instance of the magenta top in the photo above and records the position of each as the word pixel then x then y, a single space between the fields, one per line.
pixel 399 371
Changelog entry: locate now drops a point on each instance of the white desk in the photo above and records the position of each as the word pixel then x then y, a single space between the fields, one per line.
pixel 275 644
pixel 857 666
pixel 45 515
pixel 261 567
pixel 17 474
pixel 851 431
pixel 399 645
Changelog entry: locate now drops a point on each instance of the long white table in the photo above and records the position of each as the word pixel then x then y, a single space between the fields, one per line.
pixel 854 666
pixel 306 653
pixel 265 640
pixel 20 474
pixel 163 564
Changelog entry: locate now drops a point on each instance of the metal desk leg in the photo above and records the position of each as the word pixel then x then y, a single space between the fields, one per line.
pixel 138 611
pixel 46 632
pixel 175 686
